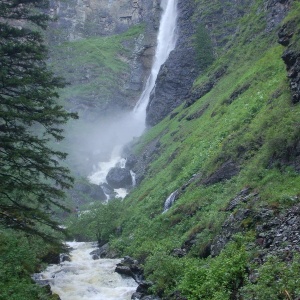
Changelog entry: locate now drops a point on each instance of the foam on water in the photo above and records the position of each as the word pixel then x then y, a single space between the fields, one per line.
pixel 86 279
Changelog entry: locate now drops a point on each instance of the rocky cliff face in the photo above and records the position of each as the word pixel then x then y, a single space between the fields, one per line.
pixel 80 20
pixel 178 73
pixel 177 76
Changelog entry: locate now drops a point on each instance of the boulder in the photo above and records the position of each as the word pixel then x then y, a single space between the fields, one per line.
pixel 124 270
pixel 97 193
pixel 104 251
pixel 65 257
pixel 130 267
pixel 119 178
pixel 130 161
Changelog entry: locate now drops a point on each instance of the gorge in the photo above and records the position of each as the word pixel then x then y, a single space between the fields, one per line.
pixel 209 155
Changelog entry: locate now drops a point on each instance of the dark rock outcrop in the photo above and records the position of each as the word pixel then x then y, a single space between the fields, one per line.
pixel 130 267
pixel 201 90
pixel 119 178
pixel 65 257
pixel 277 235
pixel 276 12
pixel 237 93
pixel 292 61
pixel 131 161
pixel 103 251
pixel 197 114
pixel 280 235
pixel 225 172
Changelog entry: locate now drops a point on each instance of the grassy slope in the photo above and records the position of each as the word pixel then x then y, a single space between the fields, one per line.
pixel 91 65
pixel 257 126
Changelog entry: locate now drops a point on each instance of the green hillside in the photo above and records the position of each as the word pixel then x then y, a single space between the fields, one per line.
pixel 239 141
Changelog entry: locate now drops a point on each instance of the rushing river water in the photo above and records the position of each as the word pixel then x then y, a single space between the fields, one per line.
pixel 86 279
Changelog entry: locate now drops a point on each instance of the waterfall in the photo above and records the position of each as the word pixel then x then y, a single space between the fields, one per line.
pixel 135 123
pixel 166 41
pixel 86 279
pixel 170 201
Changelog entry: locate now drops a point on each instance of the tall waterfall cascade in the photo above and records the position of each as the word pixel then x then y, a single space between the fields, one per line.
pixel 166 41
pixel 136 121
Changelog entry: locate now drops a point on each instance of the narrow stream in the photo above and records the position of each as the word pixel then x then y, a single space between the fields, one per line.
pixel 86 279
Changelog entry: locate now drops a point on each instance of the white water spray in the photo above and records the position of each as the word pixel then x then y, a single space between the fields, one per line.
pixel 166 41
pixel 136 121
pixel 86 279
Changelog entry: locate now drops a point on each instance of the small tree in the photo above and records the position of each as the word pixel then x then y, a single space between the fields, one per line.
pixel 204 47
pixel 31 177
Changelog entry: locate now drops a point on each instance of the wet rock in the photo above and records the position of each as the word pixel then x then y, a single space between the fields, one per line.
pixel 51 257
pixel 144 287
pixel 151 297
pixel 119 178
pixel 130 267
pixel 279 235
pixel 150 152
pixel 130 161
pixel 136 296
pixel 225 172
pixel 243 196
pixel 101 252
pixel 231 226
pixel 285 34
pixel 65 257
pixel 292 61
pixel 124 270
pixel 108 190
pixel 82 191
pixel 276 12
pixel 97 193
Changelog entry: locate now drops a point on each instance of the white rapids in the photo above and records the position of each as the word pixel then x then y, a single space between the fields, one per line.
pixel 86 279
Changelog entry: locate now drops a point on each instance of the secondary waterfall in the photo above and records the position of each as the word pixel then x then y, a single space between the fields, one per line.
pixel 86 279
pixel 136 121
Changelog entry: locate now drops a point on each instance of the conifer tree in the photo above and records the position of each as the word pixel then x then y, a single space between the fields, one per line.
pixel 32 180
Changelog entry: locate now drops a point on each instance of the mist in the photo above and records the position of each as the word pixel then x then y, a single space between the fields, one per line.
pixel 91 142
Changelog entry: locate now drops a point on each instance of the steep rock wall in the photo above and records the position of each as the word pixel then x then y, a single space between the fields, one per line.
pixel 177 76
pixel 80 20
pixel 178 73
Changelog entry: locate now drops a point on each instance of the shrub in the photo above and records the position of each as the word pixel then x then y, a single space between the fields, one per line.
pixel 217 278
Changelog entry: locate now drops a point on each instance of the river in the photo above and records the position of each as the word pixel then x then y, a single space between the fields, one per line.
pixel 86 279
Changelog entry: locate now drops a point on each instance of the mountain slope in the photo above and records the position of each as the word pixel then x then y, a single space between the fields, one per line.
pixel 230 152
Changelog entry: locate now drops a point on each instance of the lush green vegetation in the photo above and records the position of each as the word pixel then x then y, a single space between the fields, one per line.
pixel 91 66
pixel 248 119
pixel 32 180
pixel 20 257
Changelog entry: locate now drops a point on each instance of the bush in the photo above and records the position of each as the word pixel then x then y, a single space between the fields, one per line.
pixel 218 278
pixel 277 280
pixel 204 48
